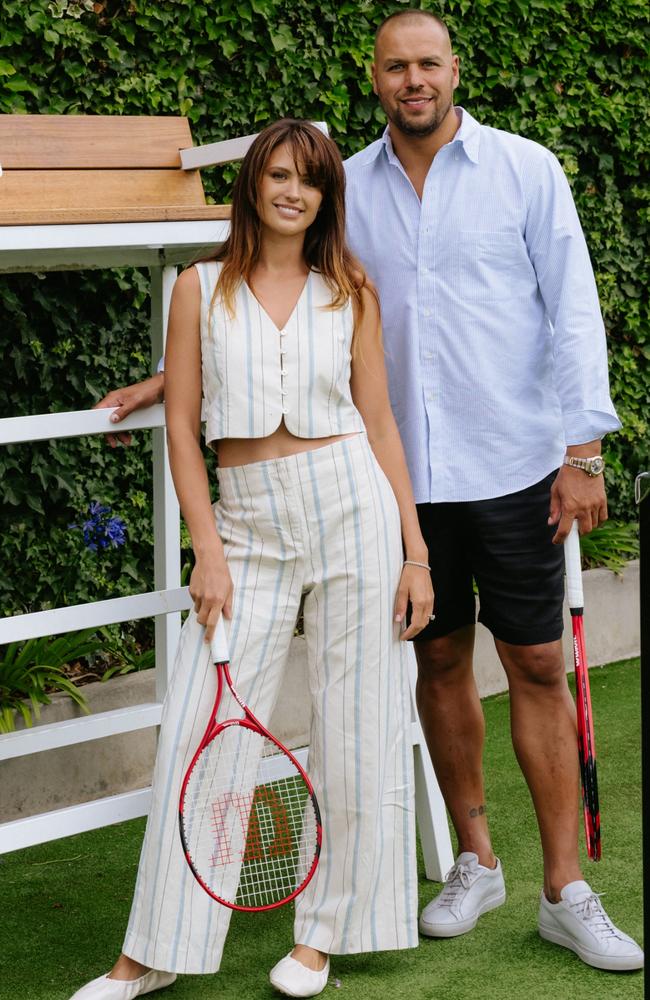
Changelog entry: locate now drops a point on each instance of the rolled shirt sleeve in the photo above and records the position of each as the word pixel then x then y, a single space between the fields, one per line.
pixel 558 252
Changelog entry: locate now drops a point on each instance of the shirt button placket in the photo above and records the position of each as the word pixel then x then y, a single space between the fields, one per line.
pixel 284 392
pixel 427 305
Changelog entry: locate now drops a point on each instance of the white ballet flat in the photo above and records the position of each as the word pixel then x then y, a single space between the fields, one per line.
pixel 295 980
pixel 104 988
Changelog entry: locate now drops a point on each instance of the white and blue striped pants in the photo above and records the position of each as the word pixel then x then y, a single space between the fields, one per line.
pixel 325 524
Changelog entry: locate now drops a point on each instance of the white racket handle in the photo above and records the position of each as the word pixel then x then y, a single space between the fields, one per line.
pixel 219 644
pixel 573 568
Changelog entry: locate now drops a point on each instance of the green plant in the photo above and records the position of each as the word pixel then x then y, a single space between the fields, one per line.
pixel 127 654
pixel 31 671
pixel 611 545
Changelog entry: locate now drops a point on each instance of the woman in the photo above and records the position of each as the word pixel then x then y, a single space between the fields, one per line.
pixel 282 334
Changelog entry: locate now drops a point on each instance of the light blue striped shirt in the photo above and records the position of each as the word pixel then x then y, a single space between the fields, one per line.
pixel 495 345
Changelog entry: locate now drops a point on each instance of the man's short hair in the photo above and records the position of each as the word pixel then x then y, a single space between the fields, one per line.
pixel 411 12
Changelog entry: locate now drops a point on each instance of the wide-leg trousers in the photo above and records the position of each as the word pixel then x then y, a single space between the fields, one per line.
pixel 323 524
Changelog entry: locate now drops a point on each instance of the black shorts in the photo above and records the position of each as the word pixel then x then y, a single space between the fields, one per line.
pixel 505 545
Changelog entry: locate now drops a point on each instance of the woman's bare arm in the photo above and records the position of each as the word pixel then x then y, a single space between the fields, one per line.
pixel 370 394
pixel 210 584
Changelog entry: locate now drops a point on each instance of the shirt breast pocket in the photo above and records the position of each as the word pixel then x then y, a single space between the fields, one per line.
pixel 492 265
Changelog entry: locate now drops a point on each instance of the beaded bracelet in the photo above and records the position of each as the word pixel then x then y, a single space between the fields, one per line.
pixel 412 562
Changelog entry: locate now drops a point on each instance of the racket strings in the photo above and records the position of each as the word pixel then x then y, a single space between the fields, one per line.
pixel 249 822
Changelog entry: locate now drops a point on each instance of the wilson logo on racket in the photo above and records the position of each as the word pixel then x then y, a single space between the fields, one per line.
pixel 248 817
pixel 247 806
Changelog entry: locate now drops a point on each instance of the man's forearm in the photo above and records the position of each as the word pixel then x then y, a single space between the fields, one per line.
pixel 587 450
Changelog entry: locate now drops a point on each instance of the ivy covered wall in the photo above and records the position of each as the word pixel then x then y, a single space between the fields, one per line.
pixel 568 74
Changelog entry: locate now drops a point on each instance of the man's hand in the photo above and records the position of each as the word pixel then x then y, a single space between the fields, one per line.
pixel 575 495
pixel 130 398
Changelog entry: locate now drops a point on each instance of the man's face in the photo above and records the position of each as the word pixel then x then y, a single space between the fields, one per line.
pixel 414 74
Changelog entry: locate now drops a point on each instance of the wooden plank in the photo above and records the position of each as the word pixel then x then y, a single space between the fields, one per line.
pixel 53 189
pixel 45 142
pixel 133 213
pixel 33 197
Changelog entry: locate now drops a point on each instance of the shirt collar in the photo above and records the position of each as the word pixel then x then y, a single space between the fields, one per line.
pixel 468 135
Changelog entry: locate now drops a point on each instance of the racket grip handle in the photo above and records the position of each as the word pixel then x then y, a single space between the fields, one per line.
pixel 219 644
pixel 573 568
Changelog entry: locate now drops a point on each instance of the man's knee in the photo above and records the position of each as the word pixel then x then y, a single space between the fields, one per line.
pixel 446 658
pixel 540 665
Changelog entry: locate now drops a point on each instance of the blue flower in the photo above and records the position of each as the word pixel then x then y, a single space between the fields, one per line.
pixel 100 529
pixel 116 531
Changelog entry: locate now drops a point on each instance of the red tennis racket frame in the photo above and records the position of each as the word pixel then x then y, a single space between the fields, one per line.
pixel 221 658
pixel 586 738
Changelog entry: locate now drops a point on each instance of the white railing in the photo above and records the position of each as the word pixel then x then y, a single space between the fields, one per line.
pixel 164 604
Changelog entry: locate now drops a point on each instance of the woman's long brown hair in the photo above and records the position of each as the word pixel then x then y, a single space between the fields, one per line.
pixel 325 249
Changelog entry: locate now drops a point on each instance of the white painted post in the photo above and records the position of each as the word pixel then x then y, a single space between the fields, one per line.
pixel 430 810
pixel 166 514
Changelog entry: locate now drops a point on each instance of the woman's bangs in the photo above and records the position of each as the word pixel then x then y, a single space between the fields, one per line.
pixel 312 156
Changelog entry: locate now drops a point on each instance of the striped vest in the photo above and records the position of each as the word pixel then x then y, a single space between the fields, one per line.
pixel 255 375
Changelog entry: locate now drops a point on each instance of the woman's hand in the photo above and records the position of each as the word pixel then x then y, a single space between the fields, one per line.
pixel 211 590
pixel 129 398
pixel 414 586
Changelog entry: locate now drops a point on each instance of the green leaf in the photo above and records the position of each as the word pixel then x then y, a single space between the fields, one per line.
pixel 228 46
pixel 282 38
pixel 35 503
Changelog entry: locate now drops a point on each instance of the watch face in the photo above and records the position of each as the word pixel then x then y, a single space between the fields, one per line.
pixel 596 466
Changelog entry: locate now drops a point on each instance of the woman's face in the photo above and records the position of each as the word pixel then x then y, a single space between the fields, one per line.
pixel 288 199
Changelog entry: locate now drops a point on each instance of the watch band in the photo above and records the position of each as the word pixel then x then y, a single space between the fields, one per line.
pixel 592 466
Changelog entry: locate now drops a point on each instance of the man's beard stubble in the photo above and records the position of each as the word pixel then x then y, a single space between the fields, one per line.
pixel 421 130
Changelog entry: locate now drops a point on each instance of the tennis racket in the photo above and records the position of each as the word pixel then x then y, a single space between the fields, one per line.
pixel 249 820
pixel 586 741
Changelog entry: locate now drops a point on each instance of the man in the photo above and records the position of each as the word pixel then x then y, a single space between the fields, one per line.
pixel 497 365
pixel 496 359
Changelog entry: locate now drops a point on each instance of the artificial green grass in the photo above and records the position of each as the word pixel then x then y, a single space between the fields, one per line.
pixel 65 904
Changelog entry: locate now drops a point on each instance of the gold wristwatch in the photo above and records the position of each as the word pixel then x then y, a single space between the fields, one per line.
pixel 592 466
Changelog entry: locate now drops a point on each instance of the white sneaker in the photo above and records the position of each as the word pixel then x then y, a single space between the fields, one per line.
pixel 470 890
pixel 580 923
pixel 295 980
pixel 104 988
